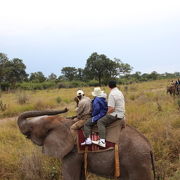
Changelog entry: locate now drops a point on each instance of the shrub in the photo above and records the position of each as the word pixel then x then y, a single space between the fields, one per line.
pixel 40 105
pixel 71 84
pixel 31 167
pixel 58 100
pixel 93 83
pixel 159 107
pixel 22 98
pixel 3 106
pixel 5 86
pixel 36 166
pixel 36 85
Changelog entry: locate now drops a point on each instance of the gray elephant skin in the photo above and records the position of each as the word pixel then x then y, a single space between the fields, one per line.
pixel 52 132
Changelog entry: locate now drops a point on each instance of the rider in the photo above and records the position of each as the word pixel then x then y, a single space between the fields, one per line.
pixel 116 111
pixel 99 109
pixel 172 83
pixel 83 111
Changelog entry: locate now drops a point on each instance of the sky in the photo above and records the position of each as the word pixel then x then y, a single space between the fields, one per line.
pixel 51 34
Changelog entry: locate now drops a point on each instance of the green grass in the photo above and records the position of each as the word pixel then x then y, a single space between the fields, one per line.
pixel 148 108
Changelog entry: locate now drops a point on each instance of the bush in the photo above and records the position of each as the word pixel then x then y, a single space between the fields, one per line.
pixel 3 106
pixel 5 86
pixel 71 84
pixel 36 86
pixel 93 83
pixel 58 100
pixel 22 98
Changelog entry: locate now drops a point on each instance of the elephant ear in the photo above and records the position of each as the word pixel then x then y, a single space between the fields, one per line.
pixel 59 142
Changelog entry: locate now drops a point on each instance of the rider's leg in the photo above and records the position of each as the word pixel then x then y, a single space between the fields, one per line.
pixel 87 131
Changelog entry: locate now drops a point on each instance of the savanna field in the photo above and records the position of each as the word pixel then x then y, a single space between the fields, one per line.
pixel 148 108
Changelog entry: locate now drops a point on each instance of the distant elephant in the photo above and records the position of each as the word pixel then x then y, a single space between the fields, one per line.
pixel 53 134
pixel 171 90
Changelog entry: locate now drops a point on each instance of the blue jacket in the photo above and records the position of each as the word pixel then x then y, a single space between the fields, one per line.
pixel 99 108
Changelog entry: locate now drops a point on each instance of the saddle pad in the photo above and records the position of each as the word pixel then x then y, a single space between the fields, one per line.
pixel 112 131
pixel 92 147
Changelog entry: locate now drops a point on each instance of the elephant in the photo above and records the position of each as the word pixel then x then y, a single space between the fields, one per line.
pixel 171 90
pixel 52 132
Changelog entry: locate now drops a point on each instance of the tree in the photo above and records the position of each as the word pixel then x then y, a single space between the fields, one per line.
pixel 96 66
pixel 137 75
pixel 101 68
pixel 3 61
pixel 122 68
pixel 37 77
pixel 16 71
pixel 52 77
pixel 80 74
pixel 11 71
pixel 69 72
pixel 154 75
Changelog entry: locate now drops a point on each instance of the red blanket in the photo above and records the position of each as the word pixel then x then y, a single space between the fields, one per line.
pixel 93 147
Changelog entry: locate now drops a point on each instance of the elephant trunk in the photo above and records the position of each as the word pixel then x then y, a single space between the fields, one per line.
pixel 22 118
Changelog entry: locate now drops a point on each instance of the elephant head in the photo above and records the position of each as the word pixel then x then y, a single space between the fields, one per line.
pixel 51 132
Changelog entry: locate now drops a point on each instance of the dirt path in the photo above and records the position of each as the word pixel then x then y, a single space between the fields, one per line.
pixel 4 120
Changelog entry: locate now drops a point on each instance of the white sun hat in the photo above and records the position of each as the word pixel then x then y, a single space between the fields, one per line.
pixel 98 92
pixel 80 93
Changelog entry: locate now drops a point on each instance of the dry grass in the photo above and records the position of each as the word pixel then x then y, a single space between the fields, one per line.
pixel 148 108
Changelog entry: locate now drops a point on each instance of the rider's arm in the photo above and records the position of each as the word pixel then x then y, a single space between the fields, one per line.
pixel 80 109
pixel 111 104
pixel 110 109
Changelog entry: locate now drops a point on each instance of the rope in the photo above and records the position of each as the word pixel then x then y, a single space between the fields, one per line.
pixel 85 161
pixel 116 161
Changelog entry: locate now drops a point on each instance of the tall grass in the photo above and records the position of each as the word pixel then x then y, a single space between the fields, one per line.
pixel 148 108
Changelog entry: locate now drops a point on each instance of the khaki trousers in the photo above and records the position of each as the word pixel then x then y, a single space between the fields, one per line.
pixel 77 125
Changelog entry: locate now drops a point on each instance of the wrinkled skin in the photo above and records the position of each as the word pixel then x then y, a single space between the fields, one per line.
pixel 53 134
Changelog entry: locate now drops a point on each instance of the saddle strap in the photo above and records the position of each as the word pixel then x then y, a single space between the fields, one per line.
pixel 116 161
pixel 85 161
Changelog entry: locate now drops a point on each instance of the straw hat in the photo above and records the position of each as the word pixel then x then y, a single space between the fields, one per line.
pixel 98 92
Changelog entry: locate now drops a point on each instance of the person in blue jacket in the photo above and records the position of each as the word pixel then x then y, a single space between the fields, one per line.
pixel 99 109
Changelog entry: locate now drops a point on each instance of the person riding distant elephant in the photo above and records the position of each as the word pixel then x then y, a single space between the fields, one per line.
pixel 178 86
pixel 99 109
pixel 83 111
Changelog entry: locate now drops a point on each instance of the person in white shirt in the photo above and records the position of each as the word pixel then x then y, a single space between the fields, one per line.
pixel 116 111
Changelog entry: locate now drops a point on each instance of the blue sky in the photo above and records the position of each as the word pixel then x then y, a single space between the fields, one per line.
pixel 51 34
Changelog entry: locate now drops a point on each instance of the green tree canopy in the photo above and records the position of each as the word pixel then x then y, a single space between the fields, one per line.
pixel 11 71
pixel 3 63
pixel 69 73
pixel 122 68
pixel 37 77
pixel 80 74
pixel 102 68
pixel 15 71
pixel 52 77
